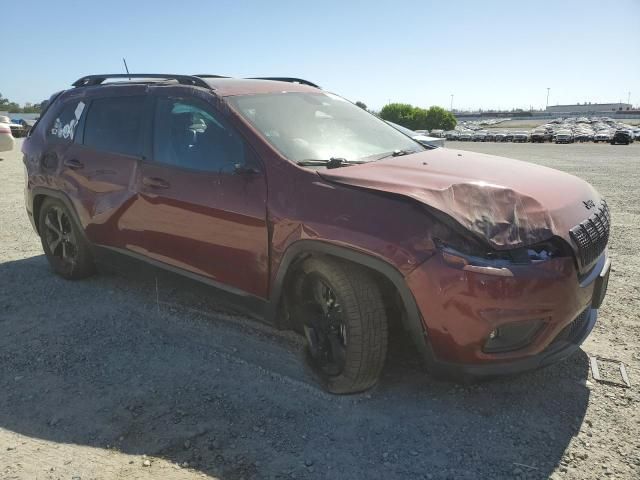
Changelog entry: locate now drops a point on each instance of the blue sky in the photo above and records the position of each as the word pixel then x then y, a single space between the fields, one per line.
pixel 489 54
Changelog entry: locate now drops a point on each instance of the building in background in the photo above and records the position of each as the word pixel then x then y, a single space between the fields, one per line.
pixel 602 108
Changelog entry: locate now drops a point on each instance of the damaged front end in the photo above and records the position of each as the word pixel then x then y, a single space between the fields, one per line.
pixel 499 262
pixel 506 203
pixel 517 265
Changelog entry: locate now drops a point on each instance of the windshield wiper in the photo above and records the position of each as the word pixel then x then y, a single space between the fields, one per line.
pixel 333 162
pixel 395 153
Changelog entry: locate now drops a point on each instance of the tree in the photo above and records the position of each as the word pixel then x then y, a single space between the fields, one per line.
pixel 13 107
pixel 416 118
pixel 400 113
pixel 439 118
pixel 362 105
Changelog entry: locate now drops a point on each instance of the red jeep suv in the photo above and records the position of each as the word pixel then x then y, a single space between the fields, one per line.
pixel 323 219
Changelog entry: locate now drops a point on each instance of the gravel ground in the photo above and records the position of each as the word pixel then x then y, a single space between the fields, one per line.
pixel 115 378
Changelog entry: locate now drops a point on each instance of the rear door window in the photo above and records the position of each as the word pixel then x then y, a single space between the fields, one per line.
pixel 115 125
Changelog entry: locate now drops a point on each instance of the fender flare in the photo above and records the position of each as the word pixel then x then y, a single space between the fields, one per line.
pixel 58 195
pixel 412 321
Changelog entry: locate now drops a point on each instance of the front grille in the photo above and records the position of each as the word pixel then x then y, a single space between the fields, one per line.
pixel 569 332
pixel 592 235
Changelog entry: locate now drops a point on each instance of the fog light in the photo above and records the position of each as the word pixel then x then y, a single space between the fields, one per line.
pixel 512 336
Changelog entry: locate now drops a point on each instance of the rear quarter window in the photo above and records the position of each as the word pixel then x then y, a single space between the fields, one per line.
pixel 64 125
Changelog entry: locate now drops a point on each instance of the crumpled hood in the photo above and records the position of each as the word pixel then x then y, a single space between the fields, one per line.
pixel 508 202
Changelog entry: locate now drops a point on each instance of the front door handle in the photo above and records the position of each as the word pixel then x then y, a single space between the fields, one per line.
pixel 73 164
pixel 155 182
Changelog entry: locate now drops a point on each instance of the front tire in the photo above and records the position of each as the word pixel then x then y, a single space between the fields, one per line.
pixel 340 308
pixel 64 244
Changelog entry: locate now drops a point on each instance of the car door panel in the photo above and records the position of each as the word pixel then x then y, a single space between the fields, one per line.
pixel 211 223
pixel 98 169
pixel 101 186
pixel 98 183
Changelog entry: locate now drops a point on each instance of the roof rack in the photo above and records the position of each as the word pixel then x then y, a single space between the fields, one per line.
pixel 301 81
pixel 91 80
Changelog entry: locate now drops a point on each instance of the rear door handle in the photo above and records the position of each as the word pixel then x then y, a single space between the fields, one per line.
pixel 73 164
pixel 155 182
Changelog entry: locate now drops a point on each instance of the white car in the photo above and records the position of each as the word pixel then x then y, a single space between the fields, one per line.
pixel 6 138
pixel 602 136
pixel 418 137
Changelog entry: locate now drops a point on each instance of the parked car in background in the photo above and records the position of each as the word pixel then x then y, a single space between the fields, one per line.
pixel 465 136
pixel 479 136
pixel 564 136
pixel 538 136
pixel 621 137
pixel 437 133
pixel 6 138
pixel 520 137
pixel 508 137
pixel 602 136
pixel 500 136
pixel 17 130
pixel 490 136
pixel 451 135
pixel 422 139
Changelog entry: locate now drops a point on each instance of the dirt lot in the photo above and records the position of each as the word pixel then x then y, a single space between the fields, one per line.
pixel 99 380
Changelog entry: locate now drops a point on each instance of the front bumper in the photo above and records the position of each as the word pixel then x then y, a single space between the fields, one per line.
pixel 556 352
pixel 460 308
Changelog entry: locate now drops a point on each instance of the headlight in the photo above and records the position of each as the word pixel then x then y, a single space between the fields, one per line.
pixel 476 264
pixel 498 262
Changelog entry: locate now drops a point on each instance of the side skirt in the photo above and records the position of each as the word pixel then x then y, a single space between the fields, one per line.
pixel 234 298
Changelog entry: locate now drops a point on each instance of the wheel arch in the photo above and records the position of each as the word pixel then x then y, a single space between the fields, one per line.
pixel 40 194
pixel 384 272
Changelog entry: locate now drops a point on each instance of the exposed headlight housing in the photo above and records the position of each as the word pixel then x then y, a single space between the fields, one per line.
pixel 472 257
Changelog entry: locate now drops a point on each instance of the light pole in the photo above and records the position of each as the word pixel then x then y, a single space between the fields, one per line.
pixel 451 109
pixel 548 88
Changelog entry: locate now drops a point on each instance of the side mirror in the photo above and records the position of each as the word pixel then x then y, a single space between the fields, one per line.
pixel 240 169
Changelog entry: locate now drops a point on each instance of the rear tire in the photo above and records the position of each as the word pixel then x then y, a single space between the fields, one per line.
pixel 343 315
pixel 64 244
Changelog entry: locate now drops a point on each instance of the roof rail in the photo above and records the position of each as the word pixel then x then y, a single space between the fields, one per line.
pixel 91 80
pixel 279 79
pixel 208 75
pixel 301 81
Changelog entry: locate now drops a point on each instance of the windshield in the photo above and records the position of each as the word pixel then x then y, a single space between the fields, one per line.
pixel 320 126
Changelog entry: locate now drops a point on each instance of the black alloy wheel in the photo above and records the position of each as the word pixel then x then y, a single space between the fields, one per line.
pixel 324 326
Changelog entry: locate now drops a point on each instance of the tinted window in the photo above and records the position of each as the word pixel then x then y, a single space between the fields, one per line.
pixel 192 136
pixel 64 126
pixel 115 125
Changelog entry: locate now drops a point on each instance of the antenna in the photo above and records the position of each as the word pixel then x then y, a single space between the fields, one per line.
pixel 125 66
